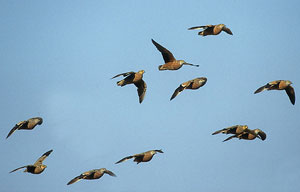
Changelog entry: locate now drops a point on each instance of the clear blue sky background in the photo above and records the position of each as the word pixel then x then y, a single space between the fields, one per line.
pixel 57 58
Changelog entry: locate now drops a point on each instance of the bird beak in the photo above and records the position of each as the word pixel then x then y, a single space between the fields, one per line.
pixel 190 64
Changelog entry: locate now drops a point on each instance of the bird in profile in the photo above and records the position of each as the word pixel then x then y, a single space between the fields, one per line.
pixel 170 62
pixel 37 167
pixel 249 134
pixel 242 132
pixel 236 129
pixel 141 157
pixel 192 84
pixel 212 29
pixel 280 85
pixel 92 174
pixel 26 125
pixel 136 79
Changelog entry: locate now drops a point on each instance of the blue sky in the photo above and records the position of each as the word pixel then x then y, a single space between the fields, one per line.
pixel 57 58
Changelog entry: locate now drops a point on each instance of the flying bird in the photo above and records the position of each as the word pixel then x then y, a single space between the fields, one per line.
pixel 212 29
pixel 92 174
pixel 170 62
pixel 280 85
pixel 192 84
pixel 141 157
pixel 26 125
pixel 136 79
pixel 37 167
pixel 249 134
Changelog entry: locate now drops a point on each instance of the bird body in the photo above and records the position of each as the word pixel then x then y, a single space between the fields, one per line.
pixel 92 174
pixel 137 80
pixel 26 125
pixel 170 62
pixel 212 29
pixel 280 85
pixel 37 167
pixel 192 84
pixel 141 157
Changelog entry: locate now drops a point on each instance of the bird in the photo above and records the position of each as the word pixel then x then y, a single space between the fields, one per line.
pixel 170 62
pixel 37 167
pixel 236 129
pixel 92 174
pixel 141 157
pixel 137 80
pixel 249 134
pixel 27 125
pixel 192 84
pixel 280 85
pixel 212 29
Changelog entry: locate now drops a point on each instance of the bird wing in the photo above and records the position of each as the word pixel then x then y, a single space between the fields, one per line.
pixel 81 176
pixel 124 159
pixel 262 88
pixel 233 136
pixel 15 128
pixel 42 158
pixel 141 89
pixel 124 74
pixel 200 27
pixel 227 30
pixel 291 93
pixel 167 55
pixel 181 87
pixel 110 173
pixel 18 168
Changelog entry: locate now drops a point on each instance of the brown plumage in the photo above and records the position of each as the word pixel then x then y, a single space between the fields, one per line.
pixel 37 167
pixel 280 85
pixel 170 62
pixel 141 157
pixel 137 80
pixel 92 174
pixel 249 134
pixel 212 29
pixel 26 125
pixel 192 84
pixel 236 129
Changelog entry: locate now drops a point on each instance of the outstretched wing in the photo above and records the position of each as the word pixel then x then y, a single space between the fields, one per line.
pixel 230 138
pixel 17 126
pixel 181 87
pixel 167 55
pixel 124 159
pixel 42 158
pixel 262 88
pixel 141 89
pixel 18 168
pixel 291 93
pixel 200 27
pixel 81 176
pixel 124 74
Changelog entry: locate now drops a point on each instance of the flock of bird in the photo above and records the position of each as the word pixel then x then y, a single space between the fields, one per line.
pixel 136 78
